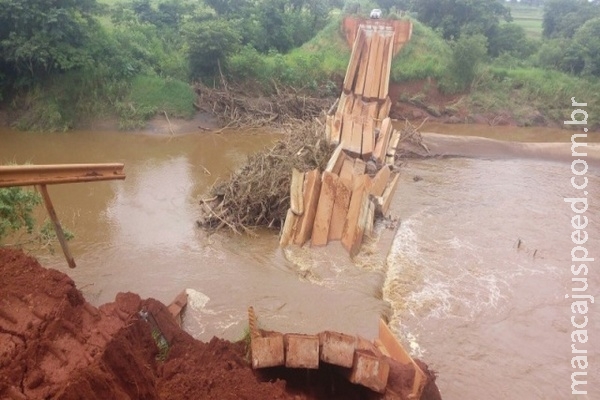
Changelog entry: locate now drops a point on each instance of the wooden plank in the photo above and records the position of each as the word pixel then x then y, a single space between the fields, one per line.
pixel 347 172
pixel 388 67
pixel 368 139
pixel 398 353
pixel 391 150
pixel 60 235
pixel 349 104
pixel 388 194
pixel 376 71
pixel 384 110
pixel 380 181
pixel 296 188
pixel 352 69
pixel 384 83
pixel 312 190
pixel 372 84
pixel 342 103
pixel 383 140
pixel 347 127
pixel 357 109
pixel 336 129
pixel 30 175
pixel 355 144
pixel 334 165
pixel 343 193
pixel 359 167
pixel 372 110
pixel 323 216
pixel 362 184
pixel 357 240
pixel 362 69
pixel 289 228
pixel 370 219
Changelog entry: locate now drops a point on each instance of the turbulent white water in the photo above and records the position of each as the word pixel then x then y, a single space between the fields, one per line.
pixel 478 272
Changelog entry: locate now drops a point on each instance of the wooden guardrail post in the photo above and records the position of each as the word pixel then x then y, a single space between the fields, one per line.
pixel 60 234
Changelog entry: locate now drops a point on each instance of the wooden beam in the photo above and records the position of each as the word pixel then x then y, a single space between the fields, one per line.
pixel 343 193
pixel 386 67
pixel 381 146
pixel 398 353
pixel 334 165
pixel 375 68
pixel 57 228
pixel 380 181
pixel 351 72
pixel 312 190
pixel 27 175
pixel 368 139
pixel 289 228
pixel 387 73
pixel 296 188
pixel 320 232
pixel 359 195
pixel 362 69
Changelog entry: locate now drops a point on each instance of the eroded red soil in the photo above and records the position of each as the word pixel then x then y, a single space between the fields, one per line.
pixel 55 345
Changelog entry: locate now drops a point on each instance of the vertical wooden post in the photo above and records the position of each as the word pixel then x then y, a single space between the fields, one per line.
pixel 57 228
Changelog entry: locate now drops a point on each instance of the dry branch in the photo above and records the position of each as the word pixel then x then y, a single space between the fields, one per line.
pixel 237 110
pixel 259 193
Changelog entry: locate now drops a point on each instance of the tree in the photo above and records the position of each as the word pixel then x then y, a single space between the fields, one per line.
pixel 511 39
pixel 563 17
pixel 561 54
pixel 588 38
pixel 468 52
pixel 38 37
pixel 454 17
pixel 209 43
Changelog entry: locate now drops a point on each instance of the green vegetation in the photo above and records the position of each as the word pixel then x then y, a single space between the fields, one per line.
pixel 161 344
pixel 64 61
pixel 426 55
pixel 150 95
pixel 16 210
pixel 17 220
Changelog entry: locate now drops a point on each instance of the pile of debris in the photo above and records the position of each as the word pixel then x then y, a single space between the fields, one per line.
pixel 236 110
pixel 256 194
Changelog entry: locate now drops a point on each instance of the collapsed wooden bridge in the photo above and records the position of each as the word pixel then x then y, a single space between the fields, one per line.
pixel 341 202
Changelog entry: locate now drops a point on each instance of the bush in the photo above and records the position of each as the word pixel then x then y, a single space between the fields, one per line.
pixel 468 52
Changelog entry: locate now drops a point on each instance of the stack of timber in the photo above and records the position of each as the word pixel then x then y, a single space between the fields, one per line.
pixel 361 361
pixel 341 203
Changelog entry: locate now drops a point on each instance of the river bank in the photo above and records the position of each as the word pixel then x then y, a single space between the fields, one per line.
pixel 56 344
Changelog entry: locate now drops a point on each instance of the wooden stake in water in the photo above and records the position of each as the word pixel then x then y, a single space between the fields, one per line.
pixel 57 227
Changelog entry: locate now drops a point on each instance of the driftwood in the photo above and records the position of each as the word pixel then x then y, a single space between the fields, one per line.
pixel 237 110
pixel 259 193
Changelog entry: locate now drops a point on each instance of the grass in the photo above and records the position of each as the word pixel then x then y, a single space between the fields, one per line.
pixel 426 55
pixel 523 91
pixel 153 94
pixel 529 17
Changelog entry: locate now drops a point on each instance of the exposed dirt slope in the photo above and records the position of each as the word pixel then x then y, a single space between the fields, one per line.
pixel 55 345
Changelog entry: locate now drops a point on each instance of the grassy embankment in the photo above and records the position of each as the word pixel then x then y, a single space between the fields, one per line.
pixel 519 88
pixel 139 75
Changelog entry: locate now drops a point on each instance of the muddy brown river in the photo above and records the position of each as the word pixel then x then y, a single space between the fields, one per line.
pixel 474 283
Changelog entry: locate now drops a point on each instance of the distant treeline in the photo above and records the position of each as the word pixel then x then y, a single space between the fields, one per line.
pixel 61 60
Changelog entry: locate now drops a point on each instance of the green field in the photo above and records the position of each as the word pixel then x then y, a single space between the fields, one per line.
pixel 528 17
